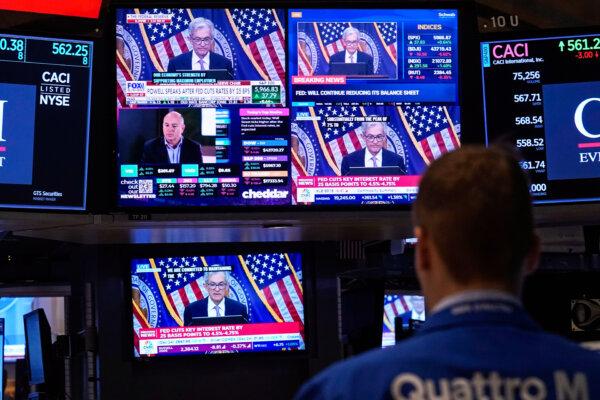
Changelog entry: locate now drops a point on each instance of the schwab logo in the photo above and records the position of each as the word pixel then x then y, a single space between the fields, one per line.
pixel 265 194
pixel 578 117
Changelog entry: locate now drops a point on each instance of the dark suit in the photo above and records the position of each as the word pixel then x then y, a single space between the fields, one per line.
pixel 357 159
pixel 360 58
pixel 183 62
pixel 155 152
pixel 200 309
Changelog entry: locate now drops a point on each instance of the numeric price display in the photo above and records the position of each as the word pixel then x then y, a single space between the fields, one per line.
pixel 540 91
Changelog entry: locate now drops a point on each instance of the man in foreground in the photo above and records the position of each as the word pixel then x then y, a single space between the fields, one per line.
pixel 476 242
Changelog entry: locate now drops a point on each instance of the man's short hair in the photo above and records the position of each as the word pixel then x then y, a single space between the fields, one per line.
pixel 350 30
pixel 210 273
pixel 475 205
pixel 367 124
pixel 175 113
pixel 201 22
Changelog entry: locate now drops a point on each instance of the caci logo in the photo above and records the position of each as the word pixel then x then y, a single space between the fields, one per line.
pixel 55 89
pixel 2 147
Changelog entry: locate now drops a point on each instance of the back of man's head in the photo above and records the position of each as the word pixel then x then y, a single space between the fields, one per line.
pixel 475 206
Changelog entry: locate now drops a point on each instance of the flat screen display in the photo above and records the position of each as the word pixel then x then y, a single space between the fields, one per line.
pixel 45 86
pixel 543 95
pixel 217 304
pixel 401 310
pixel 282 107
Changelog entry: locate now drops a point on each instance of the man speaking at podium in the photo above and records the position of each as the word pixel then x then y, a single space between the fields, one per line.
pixel 201 58
pixel 216 304
pixel 351 55
pixel 374 155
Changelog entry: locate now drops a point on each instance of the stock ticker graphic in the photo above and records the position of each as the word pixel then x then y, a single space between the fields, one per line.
pixel 543 95
pixel 45 86
pixel 276 107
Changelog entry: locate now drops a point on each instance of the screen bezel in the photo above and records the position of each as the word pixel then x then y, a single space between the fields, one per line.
pixel 308 258
pixel 467 91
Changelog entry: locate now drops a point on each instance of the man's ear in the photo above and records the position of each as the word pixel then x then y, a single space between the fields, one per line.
pixel 533 256
pixel 422 249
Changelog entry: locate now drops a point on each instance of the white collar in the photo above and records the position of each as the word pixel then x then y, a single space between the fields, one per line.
pixel 212 305
pixel 196 59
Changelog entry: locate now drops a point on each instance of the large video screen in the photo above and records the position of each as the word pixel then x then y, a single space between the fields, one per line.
pixel 274 107
pixel 543 95
pixel 403 311
pixel 45 86
pixel 217 304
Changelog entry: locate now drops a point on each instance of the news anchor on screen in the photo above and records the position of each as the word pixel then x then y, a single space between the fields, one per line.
pixel 216 304
pixel 351 61
pixel 374 155
pixel 172 147
pixel 201 58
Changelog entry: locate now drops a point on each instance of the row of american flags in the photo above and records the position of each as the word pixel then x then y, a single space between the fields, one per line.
pixel 269 284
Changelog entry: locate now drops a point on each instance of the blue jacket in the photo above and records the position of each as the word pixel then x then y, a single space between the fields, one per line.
pixel 482 349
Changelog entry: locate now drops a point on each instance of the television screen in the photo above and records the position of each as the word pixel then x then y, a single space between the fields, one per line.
pixel 45 86
pixel 542 93
pixel 217 304
pixel 401 311
pixel 204 116
pixel 38 342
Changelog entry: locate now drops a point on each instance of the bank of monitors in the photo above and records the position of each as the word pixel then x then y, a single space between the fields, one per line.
pixel 542 93
pixel 45 86
pixel 403 312
pixel 207 304
pixel 282 107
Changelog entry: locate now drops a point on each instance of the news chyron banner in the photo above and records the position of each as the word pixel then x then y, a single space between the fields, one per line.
pixel 543 94
pixel 217 304
pixel 45 87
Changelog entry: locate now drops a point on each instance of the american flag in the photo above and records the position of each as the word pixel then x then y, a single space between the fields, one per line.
pixel 431 130
pixel 388 33
pixel 304 66
pixel 182 288
pixel 139 322
pixel 297 170
pixel 168 40
pixel 330 34
pixel 278 285
pixel 123 75
pixel 393 305
pixel 262 36
pixel 342 139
